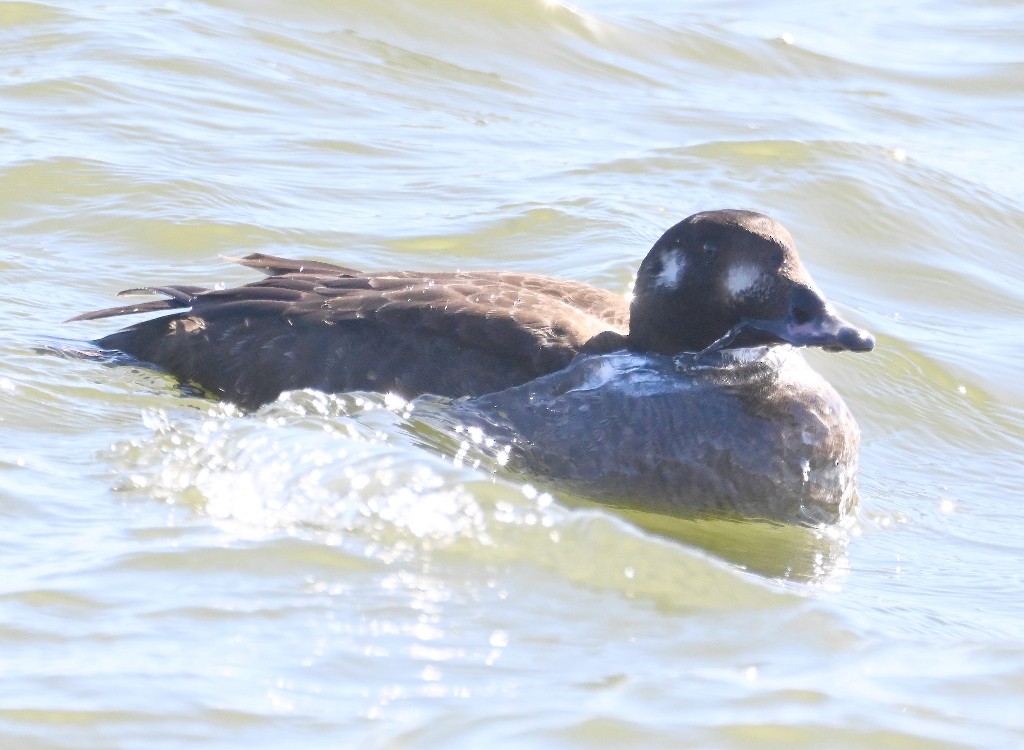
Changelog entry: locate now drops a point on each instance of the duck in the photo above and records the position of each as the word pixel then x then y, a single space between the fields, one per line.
pixel 702 353
pixel 726 276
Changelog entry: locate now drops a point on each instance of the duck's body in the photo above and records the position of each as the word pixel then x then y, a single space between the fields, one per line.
pixel 754 432
pixel 314 325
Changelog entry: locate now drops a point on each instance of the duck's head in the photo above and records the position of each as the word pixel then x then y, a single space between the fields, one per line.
pixel 732 278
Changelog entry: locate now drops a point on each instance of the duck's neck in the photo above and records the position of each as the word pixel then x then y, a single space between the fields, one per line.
pixel 648 333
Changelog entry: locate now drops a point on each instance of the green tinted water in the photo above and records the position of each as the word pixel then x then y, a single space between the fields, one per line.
pixel 176 574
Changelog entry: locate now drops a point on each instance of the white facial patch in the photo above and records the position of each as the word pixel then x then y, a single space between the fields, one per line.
pixel 742 280
pixel 673 266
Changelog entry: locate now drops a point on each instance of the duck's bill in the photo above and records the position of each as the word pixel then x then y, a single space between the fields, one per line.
pixel 827 331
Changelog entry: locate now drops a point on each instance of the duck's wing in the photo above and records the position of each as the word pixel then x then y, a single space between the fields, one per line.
pixel 486 310
pixel 313 324
pixel 498 312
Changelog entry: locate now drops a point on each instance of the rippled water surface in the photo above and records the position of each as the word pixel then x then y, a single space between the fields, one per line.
pixel 319 574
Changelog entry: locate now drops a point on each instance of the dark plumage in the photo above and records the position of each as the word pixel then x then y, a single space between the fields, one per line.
pixel 752 432
pixel 728 278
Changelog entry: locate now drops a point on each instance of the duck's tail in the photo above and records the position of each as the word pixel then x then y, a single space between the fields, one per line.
pixel 181 296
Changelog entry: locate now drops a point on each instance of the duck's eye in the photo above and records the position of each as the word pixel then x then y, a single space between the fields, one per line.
pixel 804 307
pixel 709 249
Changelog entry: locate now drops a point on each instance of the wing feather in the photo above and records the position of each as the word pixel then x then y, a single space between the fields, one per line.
pixel 501 313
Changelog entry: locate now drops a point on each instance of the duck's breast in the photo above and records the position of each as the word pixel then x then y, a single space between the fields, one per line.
pixel 751 432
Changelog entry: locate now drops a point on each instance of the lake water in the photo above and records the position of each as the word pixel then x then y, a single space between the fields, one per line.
pixel 176 574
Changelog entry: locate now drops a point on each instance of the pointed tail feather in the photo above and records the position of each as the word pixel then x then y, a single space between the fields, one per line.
pixel 179 297
pixel 273 265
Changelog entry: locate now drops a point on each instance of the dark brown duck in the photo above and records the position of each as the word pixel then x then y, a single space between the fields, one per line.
pixel 728 279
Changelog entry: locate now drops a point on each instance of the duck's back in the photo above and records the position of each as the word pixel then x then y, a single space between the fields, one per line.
pixel 316 325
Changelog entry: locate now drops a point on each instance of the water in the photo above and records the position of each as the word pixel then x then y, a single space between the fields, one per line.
pixel 318 574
